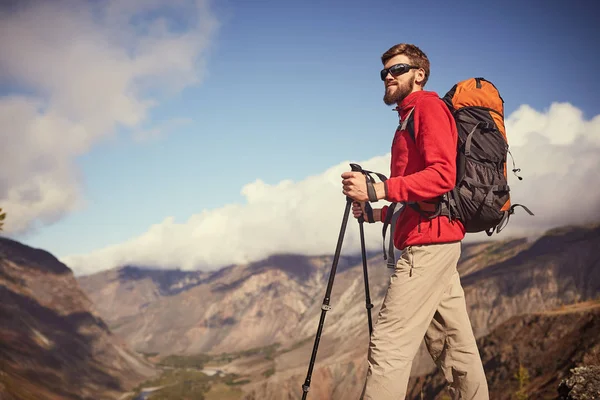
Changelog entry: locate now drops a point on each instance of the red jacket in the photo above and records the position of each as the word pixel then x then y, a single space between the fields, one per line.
pixel 423 169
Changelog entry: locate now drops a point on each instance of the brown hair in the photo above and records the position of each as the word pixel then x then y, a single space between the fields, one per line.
pixel 416 56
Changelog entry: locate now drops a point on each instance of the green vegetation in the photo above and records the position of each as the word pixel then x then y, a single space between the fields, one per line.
pixel 182 384
pixel 183 379
pixel 523 378
pixel 267 352
pixel 269 372
pixel 2 217
pixel 195 361
pixel 148 355
pixel 234 380
pixel 178 384
pixel 297 345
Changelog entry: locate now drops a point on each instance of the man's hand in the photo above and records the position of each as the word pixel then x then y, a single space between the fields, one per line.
pixel 358 210
pixel 354 185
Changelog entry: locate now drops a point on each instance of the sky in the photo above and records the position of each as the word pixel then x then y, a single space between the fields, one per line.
pixel 195 134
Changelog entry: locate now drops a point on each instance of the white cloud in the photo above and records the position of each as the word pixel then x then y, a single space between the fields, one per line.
pixel 302 217
pixel 84 69
pixel 559 154
pixel 557 151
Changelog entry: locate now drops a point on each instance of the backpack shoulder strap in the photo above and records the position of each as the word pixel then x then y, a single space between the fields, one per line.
pixel 391 219
pixel 441 207
pixel 409 124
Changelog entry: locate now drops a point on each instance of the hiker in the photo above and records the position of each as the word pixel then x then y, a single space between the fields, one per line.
pixel 424 298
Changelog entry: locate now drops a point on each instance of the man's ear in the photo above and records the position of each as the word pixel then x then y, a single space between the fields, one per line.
pixel 420 76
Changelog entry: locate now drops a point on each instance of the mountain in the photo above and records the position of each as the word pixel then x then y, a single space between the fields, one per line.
pixel 53 345
pixel 242 306
pixel 278 300
pixel 235 308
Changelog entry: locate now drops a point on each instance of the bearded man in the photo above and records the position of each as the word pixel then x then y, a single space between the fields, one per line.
pixel 424 298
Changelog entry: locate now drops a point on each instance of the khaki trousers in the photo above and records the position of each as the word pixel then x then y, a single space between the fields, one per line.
pixel 424 300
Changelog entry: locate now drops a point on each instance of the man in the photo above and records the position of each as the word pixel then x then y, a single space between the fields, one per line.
pixel 424 298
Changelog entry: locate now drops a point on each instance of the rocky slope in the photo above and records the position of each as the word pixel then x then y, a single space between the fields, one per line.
pixel 52 344
pixel 546 345
pixel 561 267
pixel 279 300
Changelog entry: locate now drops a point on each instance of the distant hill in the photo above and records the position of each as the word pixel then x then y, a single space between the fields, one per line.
pixel 278 300
pixel 52 344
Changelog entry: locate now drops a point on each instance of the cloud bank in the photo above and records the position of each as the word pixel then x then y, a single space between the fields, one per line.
pixel 76 72
pixel 557 150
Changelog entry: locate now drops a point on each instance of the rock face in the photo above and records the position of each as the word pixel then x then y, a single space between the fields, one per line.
pixel 52 344
pixel 279 300
pixel 583 384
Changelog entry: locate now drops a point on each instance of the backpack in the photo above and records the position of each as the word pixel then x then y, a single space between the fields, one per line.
pixel 480 198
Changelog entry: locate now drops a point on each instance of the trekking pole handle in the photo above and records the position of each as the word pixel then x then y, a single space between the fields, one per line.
pixel 358 168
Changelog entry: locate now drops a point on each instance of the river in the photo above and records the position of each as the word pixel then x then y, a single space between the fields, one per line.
pixel 145 393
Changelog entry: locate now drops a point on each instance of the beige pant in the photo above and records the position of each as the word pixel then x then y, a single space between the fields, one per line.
pixel 424 299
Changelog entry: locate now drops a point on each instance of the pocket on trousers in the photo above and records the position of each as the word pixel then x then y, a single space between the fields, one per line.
pixel 405 265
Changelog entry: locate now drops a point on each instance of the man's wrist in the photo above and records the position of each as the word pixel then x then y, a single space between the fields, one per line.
pixel 380 191
pixel 377 214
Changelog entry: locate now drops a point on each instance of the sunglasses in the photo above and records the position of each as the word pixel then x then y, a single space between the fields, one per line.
pixel 396 69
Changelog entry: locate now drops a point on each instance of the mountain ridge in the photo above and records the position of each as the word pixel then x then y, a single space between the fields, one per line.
pixel 52 342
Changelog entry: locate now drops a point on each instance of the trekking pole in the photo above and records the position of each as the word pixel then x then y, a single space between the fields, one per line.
pixel 325 306
pixel 361 221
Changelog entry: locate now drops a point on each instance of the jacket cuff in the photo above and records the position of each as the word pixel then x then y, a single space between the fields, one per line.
pixel 383 213
pixel 385 188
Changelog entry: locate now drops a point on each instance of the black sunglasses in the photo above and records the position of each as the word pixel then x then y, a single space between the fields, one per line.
pixel 396 69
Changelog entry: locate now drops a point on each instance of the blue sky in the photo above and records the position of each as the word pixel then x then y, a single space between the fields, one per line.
pixel 277 91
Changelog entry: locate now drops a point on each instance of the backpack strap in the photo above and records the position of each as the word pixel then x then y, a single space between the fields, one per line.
pixel 504 221
pixel 370 181
pixel 391 215
pixel 370 190
pixel 446 205
pixel 394 209
pixel 409 124
pixel 391 218
pixel 369 211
